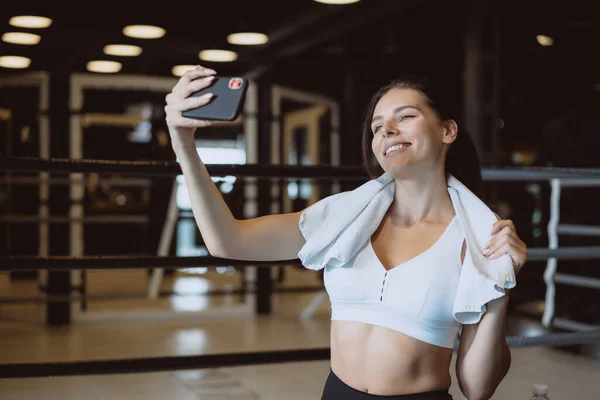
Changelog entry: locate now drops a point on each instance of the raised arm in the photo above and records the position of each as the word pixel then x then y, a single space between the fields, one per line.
pixel 267 238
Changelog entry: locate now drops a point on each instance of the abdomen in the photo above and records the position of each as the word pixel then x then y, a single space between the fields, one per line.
pixel 385 362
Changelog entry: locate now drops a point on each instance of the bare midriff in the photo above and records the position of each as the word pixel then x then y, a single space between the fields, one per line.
pixel 381 361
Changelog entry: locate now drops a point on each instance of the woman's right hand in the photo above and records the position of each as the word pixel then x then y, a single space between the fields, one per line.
pixel 182 129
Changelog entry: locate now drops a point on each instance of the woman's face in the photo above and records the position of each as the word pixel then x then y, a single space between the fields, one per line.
pixel 408 136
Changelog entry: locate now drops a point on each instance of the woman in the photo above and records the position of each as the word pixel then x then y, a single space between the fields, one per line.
pixel 393 324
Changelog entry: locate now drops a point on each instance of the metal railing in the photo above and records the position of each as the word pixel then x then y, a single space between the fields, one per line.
pixel 559 178
pixel 551 277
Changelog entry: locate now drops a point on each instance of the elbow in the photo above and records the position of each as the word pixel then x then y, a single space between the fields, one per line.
pixel 228 251
pixel 485 395
pixel 223 244
pixel 478 389
pixel 218 251
pixel 508 360
pixel 217 246
pixel 480 381
pixel 477 394
pixel 478 397
pixel 471 390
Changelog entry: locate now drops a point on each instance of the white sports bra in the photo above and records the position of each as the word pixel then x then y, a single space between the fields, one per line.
pixel 415 298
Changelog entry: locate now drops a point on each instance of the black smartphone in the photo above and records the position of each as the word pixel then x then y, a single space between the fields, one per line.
pixel 226 105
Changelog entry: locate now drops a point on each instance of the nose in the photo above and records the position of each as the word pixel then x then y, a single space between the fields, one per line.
pixel 389 129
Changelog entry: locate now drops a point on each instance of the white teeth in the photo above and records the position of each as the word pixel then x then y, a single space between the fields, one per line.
pixel 396 147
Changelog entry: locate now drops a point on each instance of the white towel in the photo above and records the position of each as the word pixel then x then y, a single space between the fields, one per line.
pixel 336 227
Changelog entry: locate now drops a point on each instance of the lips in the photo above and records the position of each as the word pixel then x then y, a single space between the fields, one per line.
pixel 396 147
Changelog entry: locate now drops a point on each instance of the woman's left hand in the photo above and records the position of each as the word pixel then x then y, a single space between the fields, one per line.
pixel 506 241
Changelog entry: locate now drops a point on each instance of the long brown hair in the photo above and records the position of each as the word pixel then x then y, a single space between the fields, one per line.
pixel 462 160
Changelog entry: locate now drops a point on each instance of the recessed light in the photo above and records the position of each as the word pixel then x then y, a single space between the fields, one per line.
pixel 337 1
pixel 21 38
pixel 179 70
pixel 16 62
pixel 218 55
pixel 30 21
pixel 144 31
pixel 247 38
pixel 545 40
pixel 124 50
pixel 105 67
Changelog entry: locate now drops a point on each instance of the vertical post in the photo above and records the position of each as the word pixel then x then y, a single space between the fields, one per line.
pixel 268 150
pixel 77 184
pixel 482 79
pixel 59 282
pixel 271 117
pixel 277 157
pixel 350 125
pixel 335 159
pixel 44 193
pixel 166 238
pixel 251 133
pixel 550 272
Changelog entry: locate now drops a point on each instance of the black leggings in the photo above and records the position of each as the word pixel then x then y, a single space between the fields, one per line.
pixel 335 389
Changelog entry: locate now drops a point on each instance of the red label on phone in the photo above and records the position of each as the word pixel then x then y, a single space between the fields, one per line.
pixel 235 83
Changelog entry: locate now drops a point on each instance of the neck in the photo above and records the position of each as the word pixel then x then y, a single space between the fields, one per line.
pixel 422 198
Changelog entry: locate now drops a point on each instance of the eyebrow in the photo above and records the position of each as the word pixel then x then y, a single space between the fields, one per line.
pixel 396 111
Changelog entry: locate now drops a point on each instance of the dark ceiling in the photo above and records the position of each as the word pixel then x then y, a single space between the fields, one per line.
pixel 312 45
pixel 301 31
pixel 315 38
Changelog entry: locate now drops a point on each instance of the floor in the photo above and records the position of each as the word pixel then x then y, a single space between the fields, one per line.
pixel 121 323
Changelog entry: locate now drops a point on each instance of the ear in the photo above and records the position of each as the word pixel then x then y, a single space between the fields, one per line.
pixel 450 131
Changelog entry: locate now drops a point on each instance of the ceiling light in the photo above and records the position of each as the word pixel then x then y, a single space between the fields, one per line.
pixel 105 67
pixel 218 55
pixel 179 70
pixel 21 38
pixel 144 31
pixel 545 40
pixel 14 62
pixel 124 50
pixel 30 21
pixel 337 1
pixel 247 38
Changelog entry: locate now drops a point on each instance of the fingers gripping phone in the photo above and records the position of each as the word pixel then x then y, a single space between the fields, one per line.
pixel 226 105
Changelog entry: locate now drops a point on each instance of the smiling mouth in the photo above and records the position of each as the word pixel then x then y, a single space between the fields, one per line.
pixel 397 148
